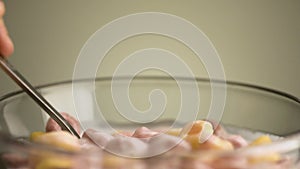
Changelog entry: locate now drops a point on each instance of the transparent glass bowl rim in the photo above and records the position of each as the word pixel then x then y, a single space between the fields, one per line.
pixel 166 78
pixel 284 145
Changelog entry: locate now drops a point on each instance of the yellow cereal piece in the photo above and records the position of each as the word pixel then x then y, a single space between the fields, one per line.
pixel 174 132
pixel 117 162
pixel 60 139
pixel 52 162
pixel 265 139
pixel 111 161
pixel 270 157
pixel 213 143
pixel 35 134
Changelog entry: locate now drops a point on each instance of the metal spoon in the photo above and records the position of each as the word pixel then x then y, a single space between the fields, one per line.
pixel 36 96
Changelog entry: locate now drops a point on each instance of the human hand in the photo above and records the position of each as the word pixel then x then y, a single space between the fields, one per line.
pixel 6 45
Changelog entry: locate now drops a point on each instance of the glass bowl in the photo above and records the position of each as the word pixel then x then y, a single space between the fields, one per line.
pixel 247 110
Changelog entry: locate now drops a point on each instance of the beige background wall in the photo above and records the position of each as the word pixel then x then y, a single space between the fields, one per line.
pixel 258 41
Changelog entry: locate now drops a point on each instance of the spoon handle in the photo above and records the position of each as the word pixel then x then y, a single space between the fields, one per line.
pixel 36 96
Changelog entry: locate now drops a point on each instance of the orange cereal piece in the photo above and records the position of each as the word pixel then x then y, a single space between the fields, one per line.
pixel 197 133
pixel 197 126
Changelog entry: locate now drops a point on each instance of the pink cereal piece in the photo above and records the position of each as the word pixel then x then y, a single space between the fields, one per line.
pixel 164 143
pixel 127 146
pixel 164 162
pixel 194 163
pixel 87 145
pixel 144 132
pixel 14 160
pixel 220 131
pixel 230 162
pixel 237 141
pixel 53 126
pixel 284 163
pixel 267 166
pixel 91 160
pixel 124 133
pixel 97 137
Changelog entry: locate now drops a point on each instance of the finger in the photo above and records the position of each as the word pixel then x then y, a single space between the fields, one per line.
pixel 6 44
pixel 2 8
